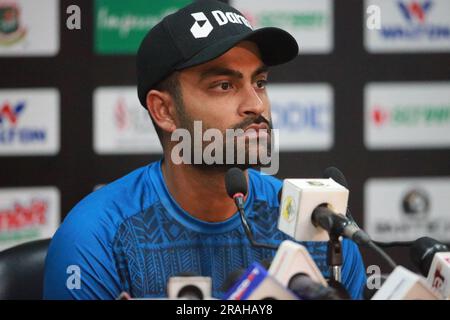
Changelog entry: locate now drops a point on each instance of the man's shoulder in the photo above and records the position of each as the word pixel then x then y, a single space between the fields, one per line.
pixel 111 204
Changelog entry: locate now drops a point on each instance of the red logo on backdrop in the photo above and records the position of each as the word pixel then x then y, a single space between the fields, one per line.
pixel 121 115
pixel 379 115
pixel 250 17
pixel 415 10
pixel 22 216
pixel 10 113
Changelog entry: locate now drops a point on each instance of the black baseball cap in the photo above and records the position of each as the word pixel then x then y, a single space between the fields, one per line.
pixel 198 33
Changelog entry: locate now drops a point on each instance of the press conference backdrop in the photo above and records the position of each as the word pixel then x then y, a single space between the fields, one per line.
pixel 375 102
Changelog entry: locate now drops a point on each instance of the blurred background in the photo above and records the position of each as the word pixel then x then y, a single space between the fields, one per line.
pixel 369 93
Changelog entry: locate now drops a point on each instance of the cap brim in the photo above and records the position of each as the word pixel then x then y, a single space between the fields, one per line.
pixel 276 47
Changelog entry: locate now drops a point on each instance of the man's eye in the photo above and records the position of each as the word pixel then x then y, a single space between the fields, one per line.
pixel 261 84
pixel 225 85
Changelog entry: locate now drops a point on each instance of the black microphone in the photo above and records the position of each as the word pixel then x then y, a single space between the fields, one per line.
pixel 422 253
pixel 334 223
pixel 307 289
pixel 340 225
pixel 232 279
pixel 350 228
pixel 236 186
pixel 337 175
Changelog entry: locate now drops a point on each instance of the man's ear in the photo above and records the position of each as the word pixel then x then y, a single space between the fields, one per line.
pixel 161 109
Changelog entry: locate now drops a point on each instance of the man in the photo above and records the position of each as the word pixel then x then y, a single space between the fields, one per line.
pixel 203 63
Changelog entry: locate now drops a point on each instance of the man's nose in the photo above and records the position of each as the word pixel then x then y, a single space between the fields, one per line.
pixel 251 103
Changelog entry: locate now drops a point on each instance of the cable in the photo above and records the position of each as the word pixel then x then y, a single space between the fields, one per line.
pixel 248 231
pixel 377 246
pixel 382 254
pixel 380 243
pixel 393 244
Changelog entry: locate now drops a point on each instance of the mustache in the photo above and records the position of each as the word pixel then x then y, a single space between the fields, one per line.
pixel 252 120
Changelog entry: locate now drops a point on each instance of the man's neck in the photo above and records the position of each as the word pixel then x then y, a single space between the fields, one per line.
pixel 198 191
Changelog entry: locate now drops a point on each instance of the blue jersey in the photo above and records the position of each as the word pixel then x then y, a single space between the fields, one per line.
pixel 131 235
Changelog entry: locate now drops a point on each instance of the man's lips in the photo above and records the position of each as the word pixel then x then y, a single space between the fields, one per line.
pixel 257 130
pixel 258 127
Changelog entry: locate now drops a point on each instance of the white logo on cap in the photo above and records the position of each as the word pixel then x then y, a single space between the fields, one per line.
pixel 202 27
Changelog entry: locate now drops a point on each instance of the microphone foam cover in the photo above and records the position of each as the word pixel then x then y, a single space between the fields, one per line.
pixel 422 253
pixel 335 174
pixel 235 182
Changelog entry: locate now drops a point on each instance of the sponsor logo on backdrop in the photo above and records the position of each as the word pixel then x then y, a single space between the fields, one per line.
pixel 29 122
pixel 411 25
pixel 28 214
pixel 404 209
pixel 11 28
pixel 11 113
pixel 121 25
pixel 121 124
pixel 304 115
pixel 399 115
pixel 29 28
pixel 416 204
pixel 16 133
pixel 407 115
pixel 129 118
pixel 419 23
pixel 310 22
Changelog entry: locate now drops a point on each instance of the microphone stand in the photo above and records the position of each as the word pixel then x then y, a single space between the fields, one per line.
pixel 334 257
pixel 327 220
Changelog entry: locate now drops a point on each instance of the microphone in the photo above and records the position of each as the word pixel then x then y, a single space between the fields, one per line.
pixel 307 204
pixel 433 259
pixel 337 175
pixel 439 275
pixel 422 253
pixel 189 286
pixel 299 199
pixel 307 289
pixel 338 224
pixel 257 284
pixel 403 284
pixel 294 268
pixel 310 203
pixel 236 186
pixel 354 231
pixel 291 259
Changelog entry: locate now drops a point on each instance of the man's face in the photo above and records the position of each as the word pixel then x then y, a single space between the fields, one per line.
pixel 229 93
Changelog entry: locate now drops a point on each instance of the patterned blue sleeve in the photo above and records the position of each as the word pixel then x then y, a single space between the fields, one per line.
pixel 353 270
pixel 81 246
